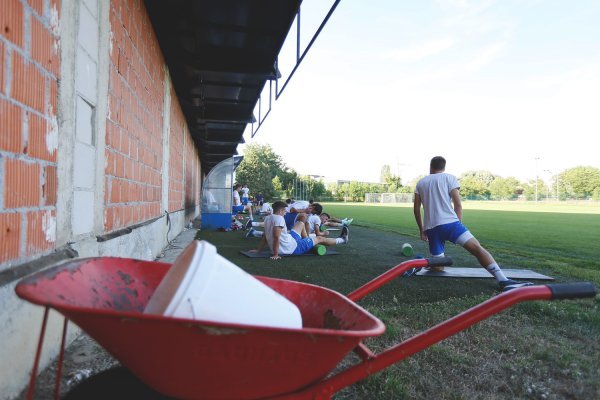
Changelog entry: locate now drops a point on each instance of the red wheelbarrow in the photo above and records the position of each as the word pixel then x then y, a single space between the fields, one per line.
pixel 191 359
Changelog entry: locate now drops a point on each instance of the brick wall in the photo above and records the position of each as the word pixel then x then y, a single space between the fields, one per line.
pixel 176 155
pixel 193 178
pixel 29 73
pixel 29 131
pixel 134 124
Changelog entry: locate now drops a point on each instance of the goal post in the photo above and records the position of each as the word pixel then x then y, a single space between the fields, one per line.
pixel 388 198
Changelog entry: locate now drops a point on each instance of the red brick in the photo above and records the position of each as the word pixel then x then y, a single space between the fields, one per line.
pixel 1 66
pixel 127 215
pixel 11 21
pixel 38 6
pixel 108 218
pixel 10 236
pixel 120 166
pixel 41 231
pixel 28 83
pixel 11 130
pixel 52 101
pixel 22 184
pixel 110 163
pixel 44 47
pixel 115 191
pixel 42 139
pixel 50 186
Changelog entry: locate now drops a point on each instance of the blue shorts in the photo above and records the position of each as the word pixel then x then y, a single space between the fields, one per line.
pixel 244 200
pixel 304 245
pixel 440 234
pixel 290 220
pixel 237 208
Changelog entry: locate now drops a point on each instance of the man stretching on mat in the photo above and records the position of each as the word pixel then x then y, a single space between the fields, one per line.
pixel 439 194
pixel 296 241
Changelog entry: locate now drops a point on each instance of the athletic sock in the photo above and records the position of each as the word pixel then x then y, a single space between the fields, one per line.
pixel 339 240
pixel 495 270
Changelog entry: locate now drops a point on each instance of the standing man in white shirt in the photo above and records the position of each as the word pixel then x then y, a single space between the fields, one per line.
pixel 440 196
pixel 237 203
pixel 245 194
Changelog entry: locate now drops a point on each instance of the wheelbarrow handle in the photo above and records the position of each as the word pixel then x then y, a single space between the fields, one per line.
pixel 439 261
pixel 396 271
pixel 572 290
pixel 373 363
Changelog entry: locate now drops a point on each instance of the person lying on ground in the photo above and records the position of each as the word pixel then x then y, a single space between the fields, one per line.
pixel 296 241
pixel 331 221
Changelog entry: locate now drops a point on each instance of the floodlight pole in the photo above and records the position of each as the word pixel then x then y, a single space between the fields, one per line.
pixel 551 173
pixel 536 178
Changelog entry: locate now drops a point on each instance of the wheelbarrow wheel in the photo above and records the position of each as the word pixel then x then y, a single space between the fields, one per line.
pixel 116 383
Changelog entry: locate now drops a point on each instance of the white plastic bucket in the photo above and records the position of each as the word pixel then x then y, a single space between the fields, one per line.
pixel 203 285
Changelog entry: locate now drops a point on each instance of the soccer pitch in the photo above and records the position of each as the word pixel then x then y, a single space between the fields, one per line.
pixel 562 238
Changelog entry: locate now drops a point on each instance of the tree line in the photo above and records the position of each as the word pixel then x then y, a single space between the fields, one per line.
pixel 265 172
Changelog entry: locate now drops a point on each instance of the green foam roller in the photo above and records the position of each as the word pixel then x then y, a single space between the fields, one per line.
pixel 320 250
pixel 323 228
pixel 407 250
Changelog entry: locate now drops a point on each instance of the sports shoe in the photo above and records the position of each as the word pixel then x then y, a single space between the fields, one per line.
pixel 248 225
pixel 411 272
pixel 348 221
pixel 250 233
pixel 509 284
pixel 345 233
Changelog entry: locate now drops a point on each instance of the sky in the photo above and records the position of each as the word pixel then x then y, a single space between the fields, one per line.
pixel 507 86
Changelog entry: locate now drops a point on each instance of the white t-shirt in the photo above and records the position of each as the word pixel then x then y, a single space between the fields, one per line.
pixel 236 198
pixel 312 220
pixel 298 205
pixel 434 190
pixel 287 244
pixel 266 208
pixel 245 192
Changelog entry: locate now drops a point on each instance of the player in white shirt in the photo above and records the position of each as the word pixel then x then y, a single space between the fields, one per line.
pixel 439 195
pixel 245 194
pixel 296 241
pixel 237 203
pixel 315 220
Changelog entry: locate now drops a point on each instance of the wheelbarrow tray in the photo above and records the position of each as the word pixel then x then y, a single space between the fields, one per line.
pixel 201 359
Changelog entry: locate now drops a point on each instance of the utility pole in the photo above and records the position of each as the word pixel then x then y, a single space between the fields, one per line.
pixel 536 178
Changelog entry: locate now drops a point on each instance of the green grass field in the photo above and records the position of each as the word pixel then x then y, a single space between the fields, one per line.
pixel 535 350
pixel 561 238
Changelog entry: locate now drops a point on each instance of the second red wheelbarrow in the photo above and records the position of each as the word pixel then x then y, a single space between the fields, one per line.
pixel 191 359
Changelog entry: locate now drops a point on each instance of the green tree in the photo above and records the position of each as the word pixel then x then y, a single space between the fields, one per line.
pixel 258 168
pixel 529 190
pixel 486 177
pixel 386 171
pixel 580 182
pixel 277 185
pixel 505 188
pixel 473 187
pixel 393 182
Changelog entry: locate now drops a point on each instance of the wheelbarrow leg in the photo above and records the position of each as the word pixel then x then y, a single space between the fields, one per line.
pixel 59 363
pixel 36 362
pixel 38 353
